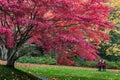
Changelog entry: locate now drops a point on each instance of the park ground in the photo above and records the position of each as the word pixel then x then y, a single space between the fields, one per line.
pixel 58 72
pixel 29 65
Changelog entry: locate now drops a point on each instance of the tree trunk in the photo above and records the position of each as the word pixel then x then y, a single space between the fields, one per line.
pixel 3 52
pixel 10 58
pixel 10 63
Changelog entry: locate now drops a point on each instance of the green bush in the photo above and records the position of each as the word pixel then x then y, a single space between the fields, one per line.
pixel 109 64
pixel 112 65
pixel 26 59
pixel 81 62
pixel 37 60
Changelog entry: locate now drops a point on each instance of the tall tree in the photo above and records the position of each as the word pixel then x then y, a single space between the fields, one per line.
pixel 110 50
pixel 66 26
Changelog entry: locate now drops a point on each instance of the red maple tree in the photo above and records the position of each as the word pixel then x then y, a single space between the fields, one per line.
pixel 67 26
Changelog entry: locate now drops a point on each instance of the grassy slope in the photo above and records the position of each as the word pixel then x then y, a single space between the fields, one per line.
pixel 61 73
pixel 14 74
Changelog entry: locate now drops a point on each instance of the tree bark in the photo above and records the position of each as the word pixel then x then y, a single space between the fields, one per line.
pixel 3 52
pixel 10 57
pixel 10 63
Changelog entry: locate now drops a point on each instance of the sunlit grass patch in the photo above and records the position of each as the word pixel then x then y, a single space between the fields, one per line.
pixel 61 73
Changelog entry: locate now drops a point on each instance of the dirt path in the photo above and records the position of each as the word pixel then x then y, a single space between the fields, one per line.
pixel 28 65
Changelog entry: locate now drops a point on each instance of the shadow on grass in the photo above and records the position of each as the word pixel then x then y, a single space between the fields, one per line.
pixel 7 73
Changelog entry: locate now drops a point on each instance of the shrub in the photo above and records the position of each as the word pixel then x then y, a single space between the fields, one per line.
pixel 112 65
pixel 37 60
pixel 81 62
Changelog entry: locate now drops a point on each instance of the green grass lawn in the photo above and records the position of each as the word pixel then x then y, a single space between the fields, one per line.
pixel 14 74
pixel 61 73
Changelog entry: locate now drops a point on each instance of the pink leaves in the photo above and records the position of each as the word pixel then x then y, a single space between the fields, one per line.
pixel 66 38
pixel 6 36
pixel 99 1
pixel 61 25
pixel 63 59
